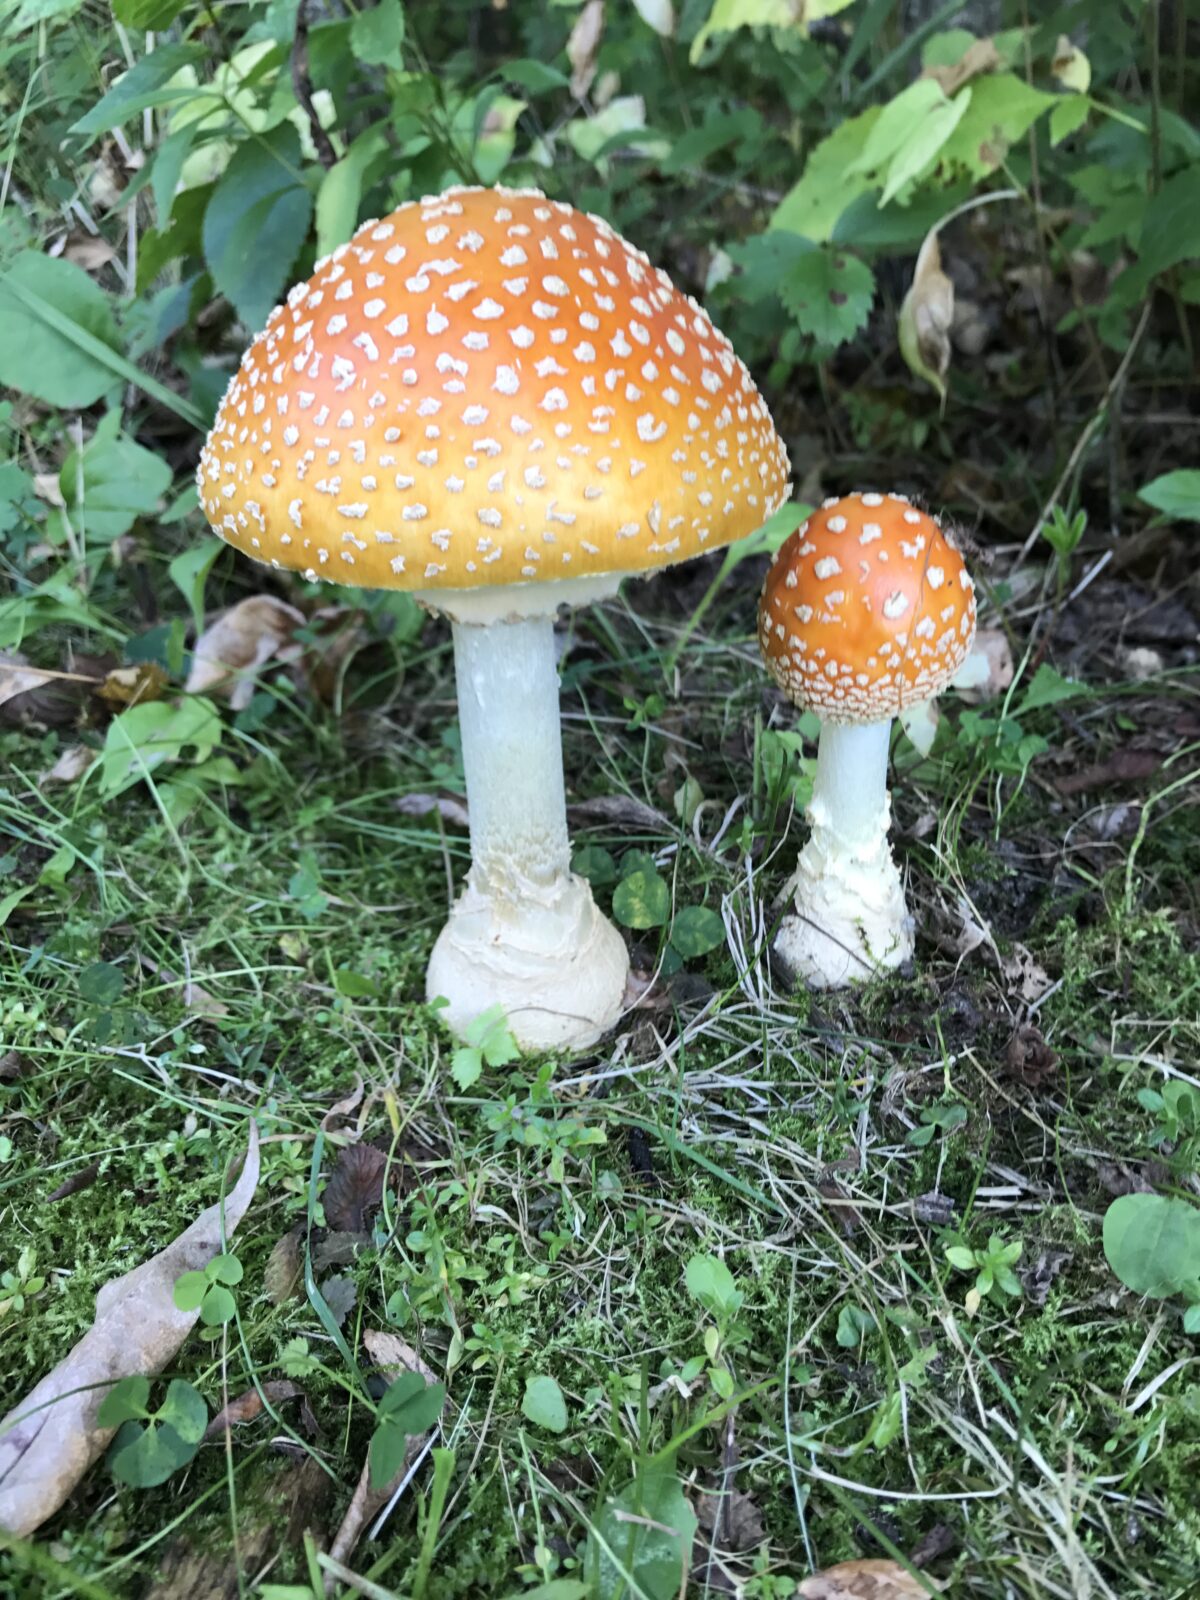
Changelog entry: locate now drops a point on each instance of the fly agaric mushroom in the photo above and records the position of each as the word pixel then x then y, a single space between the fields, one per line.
pixel 867 609
pixel 494 401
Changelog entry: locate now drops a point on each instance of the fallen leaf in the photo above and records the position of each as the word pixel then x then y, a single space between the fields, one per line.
pixel 621 811
pixel 282 1271
pixel 735 1516
pixel 47 487
pixel 343 1107
pixel 131 686
pixel 248 1406
pixel 338 1249
pixel 988 668
pixel 925 318
pixel 1038 1278
pixel 340 1295
pixel 18 677
pixel 843 1208
pixel 89 251
pixel 1028 1058
pixel 52 1437
pixel 239 643
pixel 920 724
pixel 77 1181
pixel 583 45
pixel 448 806
pixel 31 696
pixel 338 632
pixel 392 1357
pixel 71 764
pixel 979 57
pixel 1123 766
pixel 355 1188
pixel 1027 975
pixel 195 998
pixel 865 1580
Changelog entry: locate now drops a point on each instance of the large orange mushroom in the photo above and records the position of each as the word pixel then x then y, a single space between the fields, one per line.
pixel 867 609
pixel 493 400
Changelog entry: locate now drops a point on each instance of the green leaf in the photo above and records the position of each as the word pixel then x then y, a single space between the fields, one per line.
pixel 556 1589
pixel 218 1307
pixel 696 930
pixel 853 1327
pixel 829 293
pixel 466 1066
pixel 185 1410
pixel 595 864
pixel 142 87
pixel 812 206
pixel 44 361
pixel 642 900
pixel 147 16
pixel 142 738
pixel 727 16
pixel 124 1402
pixel 962 1258
pixel 908 134
pixel 535 77
pixel 1068 116
pixel 376 35
pixel 1177 494
pixel 1002 110
pixel 340 194
pixel 1048 688
pixel 101 984
pixel 409 1406
pixel 1152 1243
pixel 710 1281
pixel 146 1457
pixel 224 1269
pixel 648 1529
pixel 188 572
pixel 543 1404
pixel 190 1290
pixel 112 481
pixel 256 221
pixel 1170 233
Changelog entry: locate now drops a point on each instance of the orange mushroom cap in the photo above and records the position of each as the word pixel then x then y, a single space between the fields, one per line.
pixel 488 387
pixel 867 609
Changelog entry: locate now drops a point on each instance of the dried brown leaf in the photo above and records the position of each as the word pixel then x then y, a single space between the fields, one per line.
pixel 340 1295
pixel 338 1249
pixel 282 1271
pixel 735 1515
pixel 866 1580
pixel 355 1188
pixel 620 811
pixel 232 650
pixel 1028 1058
pixel 583 45
pixel 71 765
pixel 83 1179
pixel 979 57
pixel 52 1437
pixel 926 316
pixel 249 1406
pixel 988 669
pixel 1028 977
pixel 131 686
pixel 450 807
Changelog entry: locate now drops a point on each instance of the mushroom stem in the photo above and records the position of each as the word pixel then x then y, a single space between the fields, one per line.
pixel 525 933
pixel 850 917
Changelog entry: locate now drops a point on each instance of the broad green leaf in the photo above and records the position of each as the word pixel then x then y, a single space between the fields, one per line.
pixel 101 984
pixel 593 862
pixel 143 86
pixel 556 1589
pixel 256 221
pixel 1177 494
pixel 190 1290
pixel 217 1307
pixel 1152 1243
pixel 142 738
pixel 830 293
pixel 962 1258
pixel 147 15
pixel 466 1066
pixel 727 16
pixel 1002 110
pixel 144 1457
pixel 642 900
pixel 710 1281
pixel 225 1269
pixel 535 77
pixel 1048 688
pixel 340 193
pixel 112 481
pixel 812 206
pixel 185 1410
pixel 409 1406
pixel 1068 116
pixel 648 1528
pixel 377 33
pixel 39 359
pixel 696 930
pixel 698 145
pixel 543 1404
pixel 188 572
pixel 921 146
pixel 32 12
pixel 896 124
pixel 125 1402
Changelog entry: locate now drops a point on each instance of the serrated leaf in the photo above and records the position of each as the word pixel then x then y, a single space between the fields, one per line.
pixel 543 1404
pixel 43 361
pixel 642 900
pixel 340 1295
pixel 145 85
pixel 256 221
pixel 829 292
pixel 355 1188
pixel 466 1066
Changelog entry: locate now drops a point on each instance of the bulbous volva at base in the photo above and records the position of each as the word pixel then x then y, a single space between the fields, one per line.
pixel 555 966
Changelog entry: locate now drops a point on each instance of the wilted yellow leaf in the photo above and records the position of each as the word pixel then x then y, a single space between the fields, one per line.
pixel 925 318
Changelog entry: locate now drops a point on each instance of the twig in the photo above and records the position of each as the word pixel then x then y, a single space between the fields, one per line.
pixel 1085 438
pixel 302 84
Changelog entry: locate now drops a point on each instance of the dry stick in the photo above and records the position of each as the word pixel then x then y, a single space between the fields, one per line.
pixel 1085 437
pixel 302 85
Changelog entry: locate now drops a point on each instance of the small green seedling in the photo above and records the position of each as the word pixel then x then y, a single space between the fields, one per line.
pixel 208 1290
pixel 710 1281
pixel 489 1039
pixel 1062 534
pixel 409 1406
pixel 945 1117
pixel 642 901
pixel 992 1266
pixel 151 1445
pixel 1176 1107
pixel 22 1285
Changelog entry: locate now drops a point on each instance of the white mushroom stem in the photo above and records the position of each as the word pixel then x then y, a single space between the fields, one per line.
pixel 850 919
pixel 525 933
